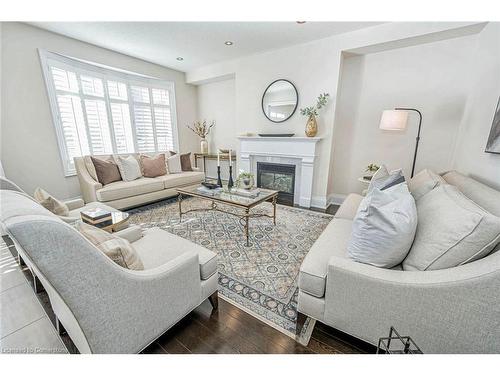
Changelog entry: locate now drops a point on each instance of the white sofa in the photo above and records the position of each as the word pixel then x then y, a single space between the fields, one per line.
pixel 127 194
pixel 454 310
pixel 103 307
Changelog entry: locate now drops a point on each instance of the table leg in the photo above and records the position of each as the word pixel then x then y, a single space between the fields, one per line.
pixel 247 215
pixel 179 200
pixel 274 209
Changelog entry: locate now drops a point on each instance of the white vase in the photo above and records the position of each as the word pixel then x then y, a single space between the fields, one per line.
pixel 204 146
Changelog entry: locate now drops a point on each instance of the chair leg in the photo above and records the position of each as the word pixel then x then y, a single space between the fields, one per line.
pixel 301 319
pixel 37 285
pixel 214 300
pixel 20 261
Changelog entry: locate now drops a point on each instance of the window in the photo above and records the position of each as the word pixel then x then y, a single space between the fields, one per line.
pixel 99 110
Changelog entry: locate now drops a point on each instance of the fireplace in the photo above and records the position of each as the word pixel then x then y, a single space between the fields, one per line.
pixel 279 177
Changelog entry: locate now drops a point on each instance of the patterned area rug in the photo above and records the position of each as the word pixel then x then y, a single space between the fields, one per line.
pixel 260 278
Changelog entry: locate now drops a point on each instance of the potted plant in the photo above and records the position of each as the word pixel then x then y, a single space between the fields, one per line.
pixel 201 129
pixel 370 171
pixel 312 112
pixel 245 180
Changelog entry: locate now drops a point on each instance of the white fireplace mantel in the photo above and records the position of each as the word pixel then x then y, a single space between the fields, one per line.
pixel 298 151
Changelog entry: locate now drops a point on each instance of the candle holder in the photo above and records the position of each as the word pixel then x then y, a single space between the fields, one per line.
pixel 219 181
pixel 230 183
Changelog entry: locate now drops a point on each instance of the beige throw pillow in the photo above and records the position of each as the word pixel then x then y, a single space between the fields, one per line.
pixel 174 164
pixel 423 182
pixel 118 249
pixel 51 203
pixel 153 166
pixel 129 167
pixel 452 230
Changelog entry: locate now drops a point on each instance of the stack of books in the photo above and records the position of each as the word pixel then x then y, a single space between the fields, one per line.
pixel 97 217
pixel 207 191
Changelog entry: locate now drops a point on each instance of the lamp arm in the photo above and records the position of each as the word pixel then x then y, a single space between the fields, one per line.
pixel 418 135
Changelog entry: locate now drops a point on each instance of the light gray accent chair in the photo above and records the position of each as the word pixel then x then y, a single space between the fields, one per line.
pixel 127 194
pixel 103 307
pixel 455 310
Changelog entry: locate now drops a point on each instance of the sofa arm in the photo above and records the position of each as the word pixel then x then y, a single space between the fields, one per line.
pixel 73 204
pixel 131 234
pixel 88 185
pixel 445 311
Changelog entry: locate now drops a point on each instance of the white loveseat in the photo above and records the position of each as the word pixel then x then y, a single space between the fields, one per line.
pixel 103 307
pixel 455 310
pixel 127 194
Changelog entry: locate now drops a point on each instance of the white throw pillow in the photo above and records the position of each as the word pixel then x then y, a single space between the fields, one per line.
pixel 174 164
pixel 423 182
pixel 384 227
pixel 129 167
pixel 452 230
pixel 51 203
pixel 381 173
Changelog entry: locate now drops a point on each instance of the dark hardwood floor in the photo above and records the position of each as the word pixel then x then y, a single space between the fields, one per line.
pixel 229 330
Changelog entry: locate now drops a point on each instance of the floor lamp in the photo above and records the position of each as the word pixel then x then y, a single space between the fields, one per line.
pixel 397 119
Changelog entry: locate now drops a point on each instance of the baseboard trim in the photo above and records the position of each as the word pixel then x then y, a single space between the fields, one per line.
pixel 318 201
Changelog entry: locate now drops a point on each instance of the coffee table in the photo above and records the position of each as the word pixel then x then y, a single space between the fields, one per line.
pixel 225 197
pixel 118 219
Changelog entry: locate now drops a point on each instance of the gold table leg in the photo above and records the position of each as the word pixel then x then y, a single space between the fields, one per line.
pixel 179 200
pixel 247 215
pixel 274 209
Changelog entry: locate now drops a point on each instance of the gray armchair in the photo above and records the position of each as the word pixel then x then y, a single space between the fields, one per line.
pixel 106 308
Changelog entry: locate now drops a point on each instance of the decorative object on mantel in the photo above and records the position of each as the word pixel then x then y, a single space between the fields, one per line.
pixel 493 145
pixel 370 171
pixel 276 135
pixel 312 113
pixel 201 129
pixel 245 180
pixel 397 119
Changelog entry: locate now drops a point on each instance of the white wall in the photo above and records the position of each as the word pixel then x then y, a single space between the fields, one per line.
pixel 484 93
pixel 29 149
pixel 315 68
pixel 434 78
pixel 217 101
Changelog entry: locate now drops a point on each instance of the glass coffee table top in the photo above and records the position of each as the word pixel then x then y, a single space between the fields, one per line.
pixel 226 196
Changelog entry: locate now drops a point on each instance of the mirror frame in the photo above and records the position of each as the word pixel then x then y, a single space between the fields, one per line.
pixel 264 94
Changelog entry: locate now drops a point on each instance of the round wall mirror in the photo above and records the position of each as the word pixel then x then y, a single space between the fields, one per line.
pixel 280 100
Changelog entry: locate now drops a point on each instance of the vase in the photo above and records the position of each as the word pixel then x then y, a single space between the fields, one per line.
pixel 247 183
pixel 311 126
pixel 204 146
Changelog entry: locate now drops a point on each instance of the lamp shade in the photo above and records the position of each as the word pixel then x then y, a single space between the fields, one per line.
pixel 393 120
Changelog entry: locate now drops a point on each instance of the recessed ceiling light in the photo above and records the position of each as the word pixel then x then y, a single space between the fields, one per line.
pixel 228 43
pixel 180 58
pixel 300 22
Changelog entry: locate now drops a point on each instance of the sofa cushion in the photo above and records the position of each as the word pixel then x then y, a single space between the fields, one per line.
pixel 488 198
pixel 452 230
pixel 118 249
pixel 349 207
pixel 107 171
pixel 181 179
pixel 157 247
pixel 129 167
pixel 423 182
pixel 384 227
pixel 125 189
pixel 153 166
pixel 51 203
pixel 333 241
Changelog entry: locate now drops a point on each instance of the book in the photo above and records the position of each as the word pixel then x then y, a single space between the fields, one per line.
pixel 251 193
pixel 96 214
pixel 102 224
pixel 207 191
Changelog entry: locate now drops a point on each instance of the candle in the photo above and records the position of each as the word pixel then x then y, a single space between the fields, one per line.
pixel 218 158
pixel 230 162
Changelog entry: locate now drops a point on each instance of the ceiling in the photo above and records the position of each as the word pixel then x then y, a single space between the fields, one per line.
pixel 198 43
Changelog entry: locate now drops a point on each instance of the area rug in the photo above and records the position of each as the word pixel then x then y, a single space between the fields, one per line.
pixel 260 278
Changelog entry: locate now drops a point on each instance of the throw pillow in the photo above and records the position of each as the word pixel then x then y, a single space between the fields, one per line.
pixel 51 203
pixel 174 164
pixel 385 180
pixel 185 161
pixel 153 166
pixel 381 173
pixel 106 171
pixel 423 182
pixel 118 249
pixel 129 167
pixel 452 230
pixel 384 227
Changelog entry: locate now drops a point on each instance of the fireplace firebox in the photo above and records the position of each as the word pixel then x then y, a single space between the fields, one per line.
pixel 279 177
